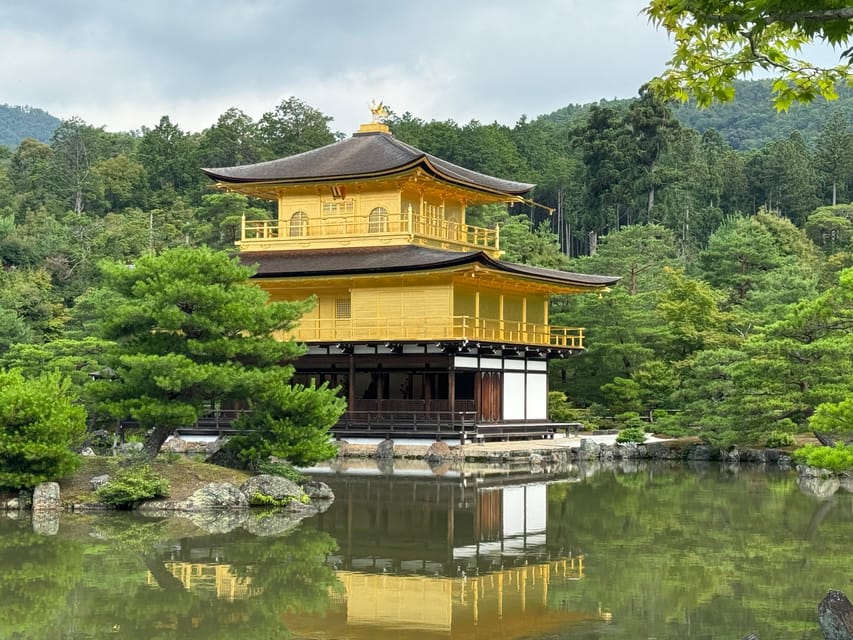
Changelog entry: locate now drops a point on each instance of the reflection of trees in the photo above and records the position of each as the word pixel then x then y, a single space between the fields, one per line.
pixel 122 580
pixel 287 575
pixel 38 573
pixel 290 572
pixel 677 552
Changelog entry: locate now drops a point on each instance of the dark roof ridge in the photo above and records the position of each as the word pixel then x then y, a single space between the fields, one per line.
pixel 362 155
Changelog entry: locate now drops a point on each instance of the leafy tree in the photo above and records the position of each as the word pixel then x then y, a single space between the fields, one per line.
pixel 785 371
pixel 232 141
pixel 745 253
pixel 489 149
pixel 219 218
pixel 522 244
pixel 831 228
pixel 27 295
pixel 29 172
pixel 74 152
pixel 607 151
pixel 166 153
pixel 834 155
pixel 694 319
pixel 440 138
pixel 189 331
pixel 123 181
pixel 276 426
pixel 636 253
pixel 40 423
pixel 723 181
pixel 293 127
pixel 784 179
pixel 716 42
pixel 834 417
pixel 653 127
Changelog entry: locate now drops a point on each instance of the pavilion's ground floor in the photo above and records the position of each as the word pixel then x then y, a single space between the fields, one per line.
pixel 454 391
pixel 438 390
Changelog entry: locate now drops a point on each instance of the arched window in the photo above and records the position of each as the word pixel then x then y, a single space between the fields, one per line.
pixel 453 227
pixel 378 220
pixel 299 224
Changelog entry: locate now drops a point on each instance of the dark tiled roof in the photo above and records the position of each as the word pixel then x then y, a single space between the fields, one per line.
pixel 275 264
pixel 363 155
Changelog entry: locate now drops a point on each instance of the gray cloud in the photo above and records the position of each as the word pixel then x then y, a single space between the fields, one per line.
pixel 123 65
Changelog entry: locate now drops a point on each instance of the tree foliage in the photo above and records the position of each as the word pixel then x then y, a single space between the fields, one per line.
pixel 40 424
pixel 188 331
pixel 717 42
pixel 276 426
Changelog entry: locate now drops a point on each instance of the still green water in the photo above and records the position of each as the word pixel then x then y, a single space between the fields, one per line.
pixel 650 551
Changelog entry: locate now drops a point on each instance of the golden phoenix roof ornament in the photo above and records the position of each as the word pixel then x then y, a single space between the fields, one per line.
pixel 378 110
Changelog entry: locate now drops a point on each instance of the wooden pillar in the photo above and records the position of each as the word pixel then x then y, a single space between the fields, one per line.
pixel 501 317
pixel 478 325
pixel 451 391
pixel 478 403
pixel 351 391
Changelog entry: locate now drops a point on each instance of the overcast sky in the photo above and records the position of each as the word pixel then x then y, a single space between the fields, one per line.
pixel 123 65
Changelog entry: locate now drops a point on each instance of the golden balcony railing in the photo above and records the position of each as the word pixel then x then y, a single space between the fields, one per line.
pixel 346 229
pixel 437 328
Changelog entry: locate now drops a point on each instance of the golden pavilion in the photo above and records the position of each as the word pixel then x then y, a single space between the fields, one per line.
pixel 426 331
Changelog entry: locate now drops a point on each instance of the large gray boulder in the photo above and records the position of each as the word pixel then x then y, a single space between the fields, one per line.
pixel 835 615
pixel 438 452
pixel 275 488
pixel 589 449
pixel 99 481
pixel 703 452
pixel 385 449
pixel 216 495
pixel 317 490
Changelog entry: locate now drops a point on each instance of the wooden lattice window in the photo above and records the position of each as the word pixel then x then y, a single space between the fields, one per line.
pixel 343 308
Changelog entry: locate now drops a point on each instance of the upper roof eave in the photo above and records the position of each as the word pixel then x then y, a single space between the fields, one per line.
pixel 362 156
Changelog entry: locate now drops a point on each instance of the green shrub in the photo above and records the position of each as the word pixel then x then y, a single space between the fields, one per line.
pixel 40 425
pixel 131 486
pixel 630 420
pixel 631 434
pixel 263 500
pixel 281 469
pixel 671 425
pixel 561 410
pixel 836 459
pixel 778 439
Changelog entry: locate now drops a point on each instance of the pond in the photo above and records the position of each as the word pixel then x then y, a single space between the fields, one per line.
pixel 636 551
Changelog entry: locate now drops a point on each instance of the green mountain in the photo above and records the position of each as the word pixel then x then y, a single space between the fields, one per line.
pixel 748 122
pixel 17 123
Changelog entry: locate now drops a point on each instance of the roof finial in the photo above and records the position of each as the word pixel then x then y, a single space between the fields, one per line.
pixel 377 110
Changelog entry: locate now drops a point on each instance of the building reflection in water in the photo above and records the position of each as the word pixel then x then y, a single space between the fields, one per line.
pixel 462 555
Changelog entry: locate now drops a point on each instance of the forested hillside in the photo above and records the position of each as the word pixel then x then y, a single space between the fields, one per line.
pixel 750 121
pixel 17 123
pixel 732 320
